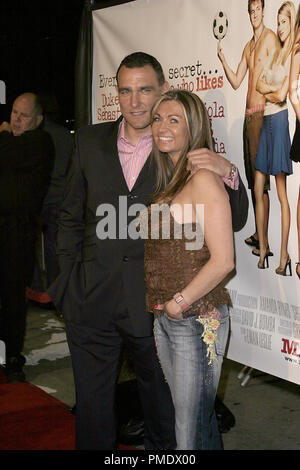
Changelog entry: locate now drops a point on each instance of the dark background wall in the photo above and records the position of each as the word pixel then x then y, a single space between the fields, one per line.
pixel 38 42
pixel 38 45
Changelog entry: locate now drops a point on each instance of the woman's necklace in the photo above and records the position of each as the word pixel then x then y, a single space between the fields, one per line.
pixel 255 42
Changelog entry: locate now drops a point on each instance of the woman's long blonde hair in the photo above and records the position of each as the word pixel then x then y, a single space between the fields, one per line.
pixel 297 26
pixel 170 179
pixel 288 9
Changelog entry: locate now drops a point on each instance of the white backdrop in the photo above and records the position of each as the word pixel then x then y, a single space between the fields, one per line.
pixel 265 318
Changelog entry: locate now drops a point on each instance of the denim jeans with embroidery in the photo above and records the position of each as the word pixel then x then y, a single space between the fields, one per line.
pixel 192 381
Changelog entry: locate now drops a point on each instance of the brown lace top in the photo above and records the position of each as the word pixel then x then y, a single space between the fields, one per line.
pixel 172 259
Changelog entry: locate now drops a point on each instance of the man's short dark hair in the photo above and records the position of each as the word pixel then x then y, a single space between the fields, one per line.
pixel 251 1
pixel 141 59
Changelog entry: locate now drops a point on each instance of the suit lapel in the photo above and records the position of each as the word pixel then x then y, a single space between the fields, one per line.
pixel 144 174
pixel 110 153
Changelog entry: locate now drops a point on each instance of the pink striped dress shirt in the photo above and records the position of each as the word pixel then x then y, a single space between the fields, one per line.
pixel 132 157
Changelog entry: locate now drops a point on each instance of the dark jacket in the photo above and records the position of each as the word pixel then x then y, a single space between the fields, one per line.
pixel 26 163
pixel 63 144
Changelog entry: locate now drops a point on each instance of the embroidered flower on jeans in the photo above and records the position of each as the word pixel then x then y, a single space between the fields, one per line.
pixel 214 323
pixel 211 324
pixel 209 337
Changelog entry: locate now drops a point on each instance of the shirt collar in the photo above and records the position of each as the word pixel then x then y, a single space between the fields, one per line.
pixel 121 133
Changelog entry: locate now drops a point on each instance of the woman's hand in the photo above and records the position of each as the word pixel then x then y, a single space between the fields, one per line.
pixel 171 308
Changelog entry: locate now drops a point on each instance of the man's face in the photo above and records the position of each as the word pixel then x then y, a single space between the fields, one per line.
pixel 256 13
pixel 23 115
pixel 138 89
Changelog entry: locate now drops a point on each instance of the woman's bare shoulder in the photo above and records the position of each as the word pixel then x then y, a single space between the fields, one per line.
pixel 206 184
pixel 205 178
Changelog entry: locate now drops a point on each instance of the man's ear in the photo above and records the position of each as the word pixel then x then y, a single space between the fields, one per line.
pixel 39 119
pixel 165 87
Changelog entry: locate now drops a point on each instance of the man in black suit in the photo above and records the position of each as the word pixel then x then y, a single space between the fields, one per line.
pixel 100 289
pixel 26 160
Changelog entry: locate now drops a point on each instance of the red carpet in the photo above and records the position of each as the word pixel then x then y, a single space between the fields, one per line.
pixel 31 419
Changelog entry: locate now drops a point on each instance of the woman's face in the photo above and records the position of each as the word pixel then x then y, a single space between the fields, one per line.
pixel 169 129
pixel 283 27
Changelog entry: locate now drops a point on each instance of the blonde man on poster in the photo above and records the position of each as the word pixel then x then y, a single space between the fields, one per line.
pixel 255 53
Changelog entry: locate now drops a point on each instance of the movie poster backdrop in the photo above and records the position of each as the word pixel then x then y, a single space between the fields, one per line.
pixel 183 36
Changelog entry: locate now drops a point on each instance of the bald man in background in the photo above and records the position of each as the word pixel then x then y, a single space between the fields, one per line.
pixel 26 161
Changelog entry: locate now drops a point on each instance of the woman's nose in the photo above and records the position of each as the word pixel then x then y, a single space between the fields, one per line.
pixel 163 125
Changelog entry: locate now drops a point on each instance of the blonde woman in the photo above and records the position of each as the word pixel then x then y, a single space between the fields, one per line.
pixel 274 145
pixel 294 98
pixel 183 279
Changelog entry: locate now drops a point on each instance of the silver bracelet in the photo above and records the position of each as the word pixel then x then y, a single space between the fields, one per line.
pixel 232 171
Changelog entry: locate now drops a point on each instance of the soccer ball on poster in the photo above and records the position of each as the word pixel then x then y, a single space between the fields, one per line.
pixel 220 25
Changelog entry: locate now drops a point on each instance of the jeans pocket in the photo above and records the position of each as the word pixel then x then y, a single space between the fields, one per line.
pixel 173 319
pixel 223 330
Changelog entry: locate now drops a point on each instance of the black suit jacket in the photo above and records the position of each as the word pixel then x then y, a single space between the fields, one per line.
pixel 26 162
pixel 100 275
pixel 63 144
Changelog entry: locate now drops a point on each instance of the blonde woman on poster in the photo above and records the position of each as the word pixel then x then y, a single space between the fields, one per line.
pixel 255 53
pixel 294 98
pixel 273 155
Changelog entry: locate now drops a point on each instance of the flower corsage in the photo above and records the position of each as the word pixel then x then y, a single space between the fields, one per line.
pixel 211 323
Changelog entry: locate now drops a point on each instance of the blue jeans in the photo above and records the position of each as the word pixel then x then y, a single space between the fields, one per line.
pixel 193 383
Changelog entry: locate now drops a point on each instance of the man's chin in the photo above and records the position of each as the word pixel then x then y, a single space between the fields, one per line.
pixel 138 121
pixel 139 124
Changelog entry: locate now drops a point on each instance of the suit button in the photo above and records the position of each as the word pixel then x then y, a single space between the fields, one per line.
pixel 125 259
